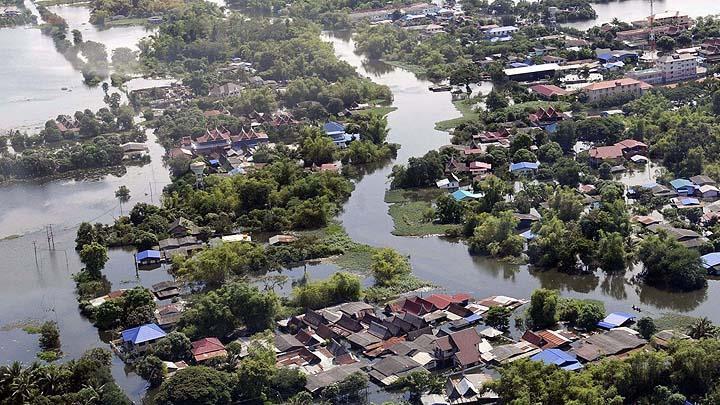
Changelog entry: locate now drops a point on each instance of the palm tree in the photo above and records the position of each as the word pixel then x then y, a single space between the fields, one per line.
pixel 122 194
pixel 23 388
pixel 702 328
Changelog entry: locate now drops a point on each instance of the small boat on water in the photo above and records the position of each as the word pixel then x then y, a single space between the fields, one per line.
pixel 440 87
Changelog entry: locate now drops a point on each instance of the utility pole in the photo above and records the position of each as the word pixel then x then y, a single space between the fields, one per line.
pixel 151 193
pixel 36 259
pixel 50 237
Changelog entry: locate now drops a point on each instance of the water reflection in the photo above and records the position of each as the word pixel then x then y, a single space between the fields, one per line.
pixel 633 10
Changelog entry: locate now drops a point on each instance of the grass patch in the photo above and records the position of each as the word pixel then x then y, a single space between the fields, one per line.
pixel 125 22
pixel 380 110
pixel 676 322
pixel 400 286
pixel 468 114
pixel 356 258
pixel 31 329
pixel 49 355
pixel 416 69
pixel 408 210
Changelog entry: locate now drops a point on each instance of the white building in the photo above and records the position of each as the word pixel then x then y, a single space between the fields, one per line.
pixel 677 67
pixel 612 88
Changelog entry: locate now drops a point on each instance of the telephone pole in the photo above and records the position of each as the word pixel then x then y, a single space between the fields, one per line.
pixel 50 237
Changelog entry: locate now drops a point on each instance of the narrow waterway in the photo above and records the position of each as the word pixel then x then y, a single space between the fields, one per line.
pixel 448 263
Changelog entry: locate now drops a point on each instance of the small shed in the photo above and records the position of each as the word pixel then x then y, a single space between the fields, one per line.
pixel 711 262
pixel 140 338
pixel 461 195
pixel 148 257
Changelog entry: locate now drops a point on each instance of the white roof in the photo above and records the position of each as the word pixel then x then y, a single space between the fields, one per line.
pixel 442 182
pixel 241 237
pixel 422 358
pixel 532 69
pixel 708 187
pixel 490 332
pixel 484 346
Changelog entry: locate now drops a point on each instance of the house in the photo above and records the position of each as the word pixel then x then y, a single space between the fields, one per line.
pixel 207 348
pixel 134 150
pixel 702 180
pixel 548 91
pixel 461 195
pixel 605 154
pixel 225 90
pixel 183 227
pixel 564 360
pixel 687 237
pixel 664 338
pixel 499 32
pixel 165 290
pixel 611 343
pixel 547 339
pixel 286 343
pixel 388 370
pixel 316 382
pixel 545 117
pixel 524 167
pixel 168 315
pixel 96 302
pixel 148 257
pixel 613 88
pixel 212 140
pixel 248 139
pixel 336 132
pixel 511 352
pixel 686 202
pixel 616 320
pixel 140 338
pixel 683 186
pixel 282 240
pixel 450 183
pixel 460 348
pixel 606 56
pixel 479 168
pixel 468 389
pixel 709 191
pixel 711 263
pixel 66 123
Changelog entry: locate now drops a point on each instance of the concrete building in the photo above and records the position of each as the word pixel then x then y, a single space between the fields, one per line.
pixel 612 88
pixel 677 67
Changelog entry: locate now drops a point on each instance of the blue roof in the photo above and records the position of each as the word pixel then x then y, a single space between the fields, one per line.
pixel 615 319
pixel 529 235
pixel 214 162
pixel 143 333
pixel 711 259
pixel 524 166
pixel 681 183
pixel 649 185
pixel 460 195
pixel 560 358
pixel 147 254
pixel 690 201
pixel 473 318
pixel 333 127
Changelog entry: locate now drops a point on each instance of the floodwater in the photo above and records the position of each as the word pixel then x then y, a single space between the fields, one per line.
pixel 37 284
pixel 447 263
pixel 38 83
pixel 634 10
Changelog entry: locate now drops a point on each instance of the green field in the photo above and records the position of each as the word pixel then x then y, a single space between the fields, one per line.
pixel 408 210
pixel 468 114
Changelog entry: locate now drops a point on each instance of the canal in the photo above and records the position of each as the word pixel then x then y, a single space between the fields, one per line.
pixel 447 263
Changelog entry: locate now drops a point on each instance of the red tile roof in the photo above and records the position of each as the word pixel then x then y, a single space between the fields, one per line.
pixel 548 90
pixel 207 348
pixel 606 152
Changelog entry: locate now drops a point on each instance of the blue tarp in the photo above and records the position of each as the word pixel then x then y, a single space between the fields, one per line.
pixel 562 359
pixel 143 333
pixel 529 235
pixel 524 166
pixel 711 259
pixel 464 194
pixel 615 319
pixel 147 254
pixel 690 201
pixel 473 318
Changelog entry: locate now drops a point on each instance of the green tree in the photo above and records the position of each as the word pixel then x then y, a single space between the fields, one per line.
pixel 495 235
pixel 173 347
pixel 94 256
pixel 495 101
pixel 611 251
pixel 49 336
pixel 419 383
pixel 152 369
pixel 316 148
pixel 702 328
pixel 565 135
pixel 668 264
pixel 388 265
pixel 498 317
pixel 196 386
pixel 448 210
pixel 376 130
pixel 543 307
pixel 646 327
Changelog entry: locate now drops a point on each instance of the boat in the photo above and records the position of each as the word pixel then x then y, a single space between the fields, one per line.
pixel 440 87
